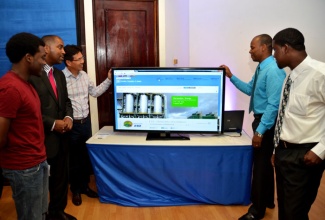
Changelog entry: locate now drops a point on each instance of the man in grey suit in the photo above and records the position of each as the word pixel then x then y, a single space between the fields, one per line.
pixel 57 116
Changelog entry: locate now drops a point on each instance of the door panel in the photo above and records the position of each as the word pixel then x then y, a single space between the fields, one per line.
pixel 125 36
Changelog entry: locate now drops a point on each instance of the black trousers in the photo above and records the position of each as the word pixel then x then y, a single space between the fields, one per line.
pixel 297 183
pixel 262 191
pixel 59 179
pixel 80 165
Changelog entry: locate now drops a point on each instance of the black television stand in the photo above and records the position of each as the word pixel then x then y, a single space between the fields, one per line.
pixel 156 136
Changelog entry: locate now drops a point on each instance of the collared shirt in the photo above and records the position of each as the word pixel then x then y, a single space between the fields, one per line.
pixel 47 69
pixel 79 89
pixel 304 117
pixel 267 91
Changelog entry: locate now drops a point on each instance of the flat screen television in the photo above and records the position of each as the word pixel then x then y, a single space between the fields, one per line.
pixel 168 103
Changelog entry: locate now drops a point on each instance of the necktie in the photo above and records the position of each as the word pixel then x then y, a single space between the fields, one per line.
pixel 285 98
pixel 51 78
pixel 251 103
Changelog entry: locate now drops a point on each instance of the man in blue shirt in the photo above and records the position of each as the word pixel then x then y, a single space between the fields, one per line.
pixel 265 91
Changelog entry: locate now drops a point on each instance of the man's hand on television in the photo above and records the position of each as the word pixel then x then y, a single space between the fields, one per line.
pixel 228 72
pixel 109 74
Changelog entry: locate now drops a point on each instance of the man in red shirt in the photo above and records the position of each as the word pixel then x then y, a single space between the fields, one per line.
pixel 22 149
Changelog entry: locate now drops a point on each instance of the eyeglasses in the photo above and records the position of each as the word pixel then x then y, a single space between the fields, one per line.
pixel 80 59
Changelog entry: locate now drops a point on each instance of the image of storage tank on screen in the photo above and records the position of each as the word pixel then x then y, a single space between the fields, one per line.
pixel 175 106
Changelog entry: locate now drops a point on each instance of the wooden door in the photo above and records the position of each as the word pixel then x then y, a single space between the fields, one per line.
pixel 126 35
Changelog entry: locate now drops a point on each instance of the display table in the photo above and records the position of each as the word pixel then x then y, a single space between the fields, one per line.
pixel 131 171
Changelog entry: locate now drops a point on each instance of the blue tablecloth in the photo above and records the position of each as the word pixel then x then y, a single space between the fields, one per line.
pixel 172 175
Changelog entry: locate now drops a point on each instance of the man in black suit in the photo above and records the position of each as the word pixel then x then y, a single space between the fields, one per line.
pixel 57 116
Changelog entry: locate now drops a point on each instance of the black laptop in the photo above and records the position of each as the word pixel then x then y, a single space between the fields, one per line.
pixel 233 121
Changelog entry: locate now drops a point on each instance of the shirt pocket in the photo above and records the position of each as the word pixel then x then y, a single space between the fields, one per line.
pixel 298 104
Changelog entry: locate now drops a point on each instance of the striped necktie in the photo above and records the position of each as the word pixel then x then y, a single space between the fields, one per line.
pixel 285 98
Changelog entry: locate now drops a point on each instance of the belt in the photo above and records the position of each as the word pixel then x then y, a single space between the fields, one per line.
pixel 80 121
pixel 288 145
pixel 258 116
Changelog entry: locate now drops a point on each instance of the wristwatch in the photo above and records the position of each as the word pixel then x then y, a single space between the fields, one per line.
pixel 258 134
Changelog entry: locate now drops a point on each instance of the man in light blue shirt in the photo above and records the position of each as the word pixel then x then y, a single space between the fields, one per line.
pixel 265 91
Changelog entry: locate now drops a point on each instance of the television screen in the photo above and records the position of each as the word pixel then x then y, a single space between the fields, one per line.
pixel 168 103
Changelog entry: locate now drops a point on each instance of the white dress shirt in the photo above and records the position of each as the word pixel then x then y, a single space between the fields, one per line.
pixel 304 118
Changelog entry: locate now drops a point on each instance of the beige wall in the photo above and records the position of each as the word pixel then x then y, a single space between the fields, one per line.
pixel 211 33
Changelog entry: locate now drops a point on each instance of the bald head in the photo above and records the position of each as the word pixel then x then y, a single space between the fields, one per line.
pixel 267 40
pixel 54 48
pixel 261 47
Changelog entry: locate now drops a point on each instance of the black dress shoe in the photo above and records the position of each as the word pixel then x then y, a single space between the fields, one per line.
pixel 60 215
pixel 66 216
pixel 270 206
pixel 89 192
pixel 248 216
pixel 76 199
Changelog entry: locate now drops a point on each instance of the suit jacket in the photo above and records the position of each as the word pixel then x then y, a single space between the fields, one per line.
pixel 53 109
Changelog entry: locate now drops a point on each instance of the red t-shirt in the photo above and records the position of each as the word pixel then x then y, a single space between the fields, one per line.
pixel 25 141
